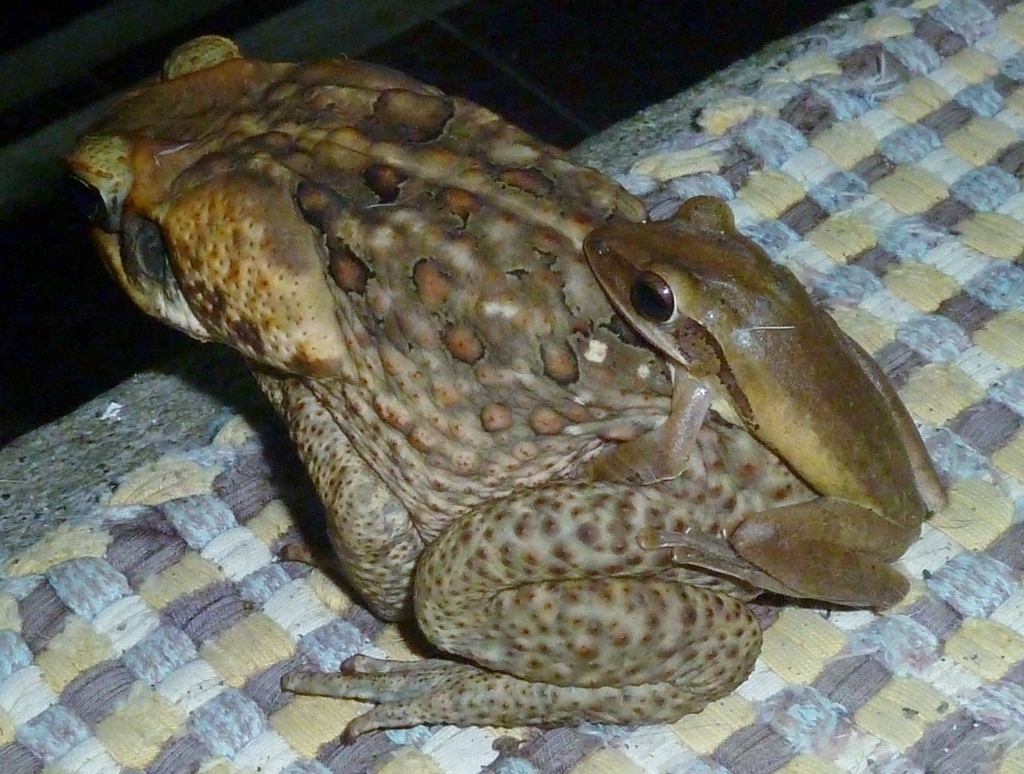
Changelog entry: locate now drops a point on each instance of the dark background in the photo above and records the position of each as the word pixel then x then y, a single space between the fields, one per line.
pixel 562 70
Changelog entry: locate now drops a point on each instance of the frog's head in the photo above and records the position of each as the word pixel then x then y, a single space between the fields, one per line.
pixel 703 294
pixel 200 237
pixel 690 284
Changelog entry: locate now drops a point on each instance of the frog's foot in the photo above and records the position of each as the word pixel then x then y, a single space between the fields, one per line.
pixel 435 691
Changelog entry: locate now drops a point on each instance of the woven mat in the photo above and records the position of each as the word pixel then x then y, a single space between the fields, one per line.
pixel 884 165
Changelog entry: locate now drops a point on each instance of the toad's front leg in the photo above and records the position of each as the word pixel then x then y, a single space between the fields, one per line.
pixel 564 616
pixel 374 540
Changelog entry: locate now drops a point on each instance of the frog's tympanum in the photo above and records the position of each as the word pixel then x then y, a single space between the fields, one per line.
pixel 715 303
pixel 404 273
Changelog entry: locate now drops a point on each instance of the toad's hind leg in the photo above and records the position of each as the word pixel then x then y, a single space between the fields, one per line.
pixel 564 616
pixel 436 691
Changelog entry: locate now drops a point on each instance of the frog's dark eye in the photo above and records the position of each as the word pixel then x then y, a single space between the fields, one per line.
pixel 652 297
pixel 143 249
pixel 89 202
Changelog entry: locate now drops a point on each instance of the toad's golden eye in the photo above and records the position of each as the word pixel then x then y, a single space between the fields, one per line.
pixel 652 297
pixel 89 201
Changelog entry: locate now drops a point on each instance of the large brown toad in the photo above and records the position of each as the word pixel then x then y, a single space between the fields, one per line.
pixel 403 272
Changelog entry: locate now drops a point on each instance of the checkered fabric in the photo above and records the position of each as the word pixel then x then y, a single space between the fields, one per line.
pixel 884 165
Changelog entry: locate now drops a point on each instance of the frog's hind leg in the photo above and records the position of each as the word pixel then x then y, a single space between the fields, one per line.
pixel 825 549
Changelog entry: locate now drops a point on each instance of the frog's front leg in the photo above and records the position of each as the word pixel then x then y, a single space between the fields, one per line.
pixel 659 454
pixel 565 616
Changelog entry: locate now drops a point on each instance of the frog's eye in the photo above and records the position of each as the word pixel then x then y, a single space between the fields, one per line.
pixel 89 201
pixel 143 249
pixel 652 297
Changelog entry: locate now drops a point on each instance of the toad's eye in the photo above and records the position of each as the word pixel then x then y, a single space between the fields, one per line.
pixel 90 202
pixel 652 297
pixel 98 179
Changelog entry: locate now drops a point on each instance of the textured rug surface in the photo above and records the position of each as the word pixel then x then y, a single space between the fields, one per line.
pixel 884 165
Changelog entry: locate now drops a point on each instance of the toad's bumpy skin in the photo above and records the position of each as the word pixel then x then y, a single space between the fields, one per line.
pixel 403 272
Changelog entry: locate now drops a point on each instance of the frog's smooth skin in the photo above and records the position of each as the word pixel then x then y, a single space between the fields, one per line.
pixel 403 271
pixel 715 303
